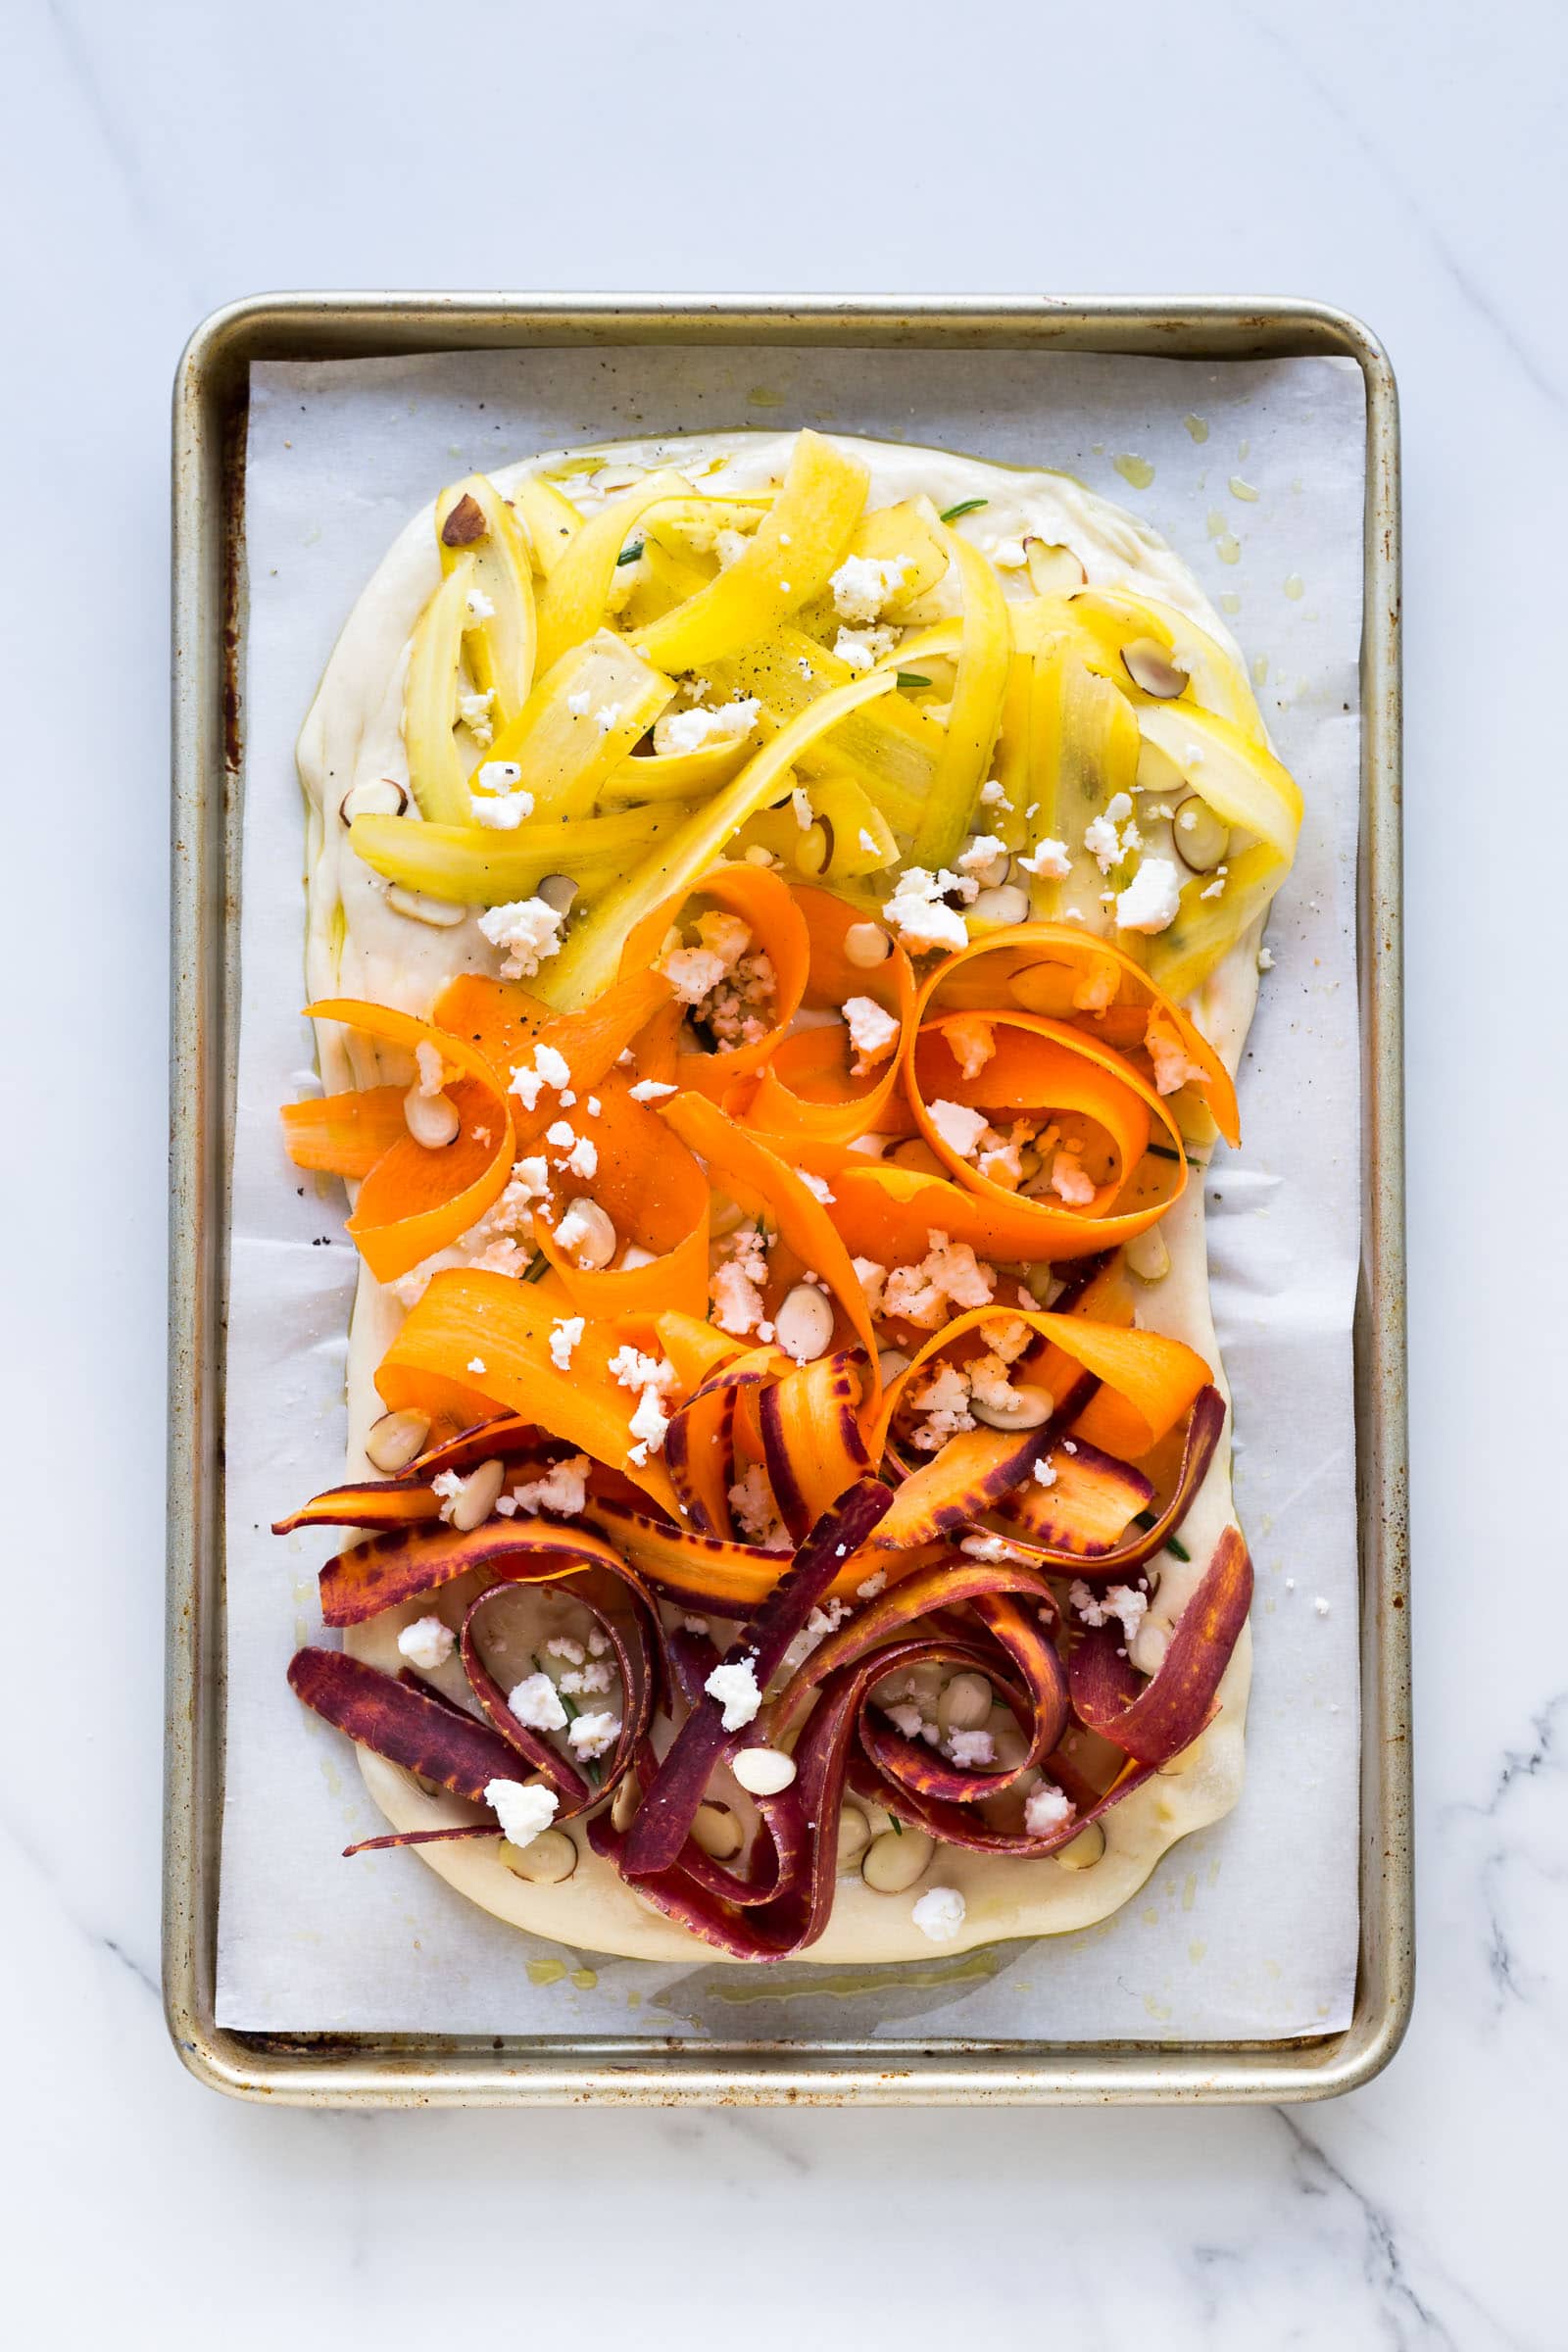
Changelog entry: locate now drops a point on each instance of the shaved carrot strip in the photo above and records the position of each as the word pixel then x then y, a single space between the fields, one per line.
pixel 751 1172
pixel 415 1200
pixel 344 1135
pixel 508 1325
pixel 654 1192
pixel 809 1088
pixel 779 930
pixel 1052 968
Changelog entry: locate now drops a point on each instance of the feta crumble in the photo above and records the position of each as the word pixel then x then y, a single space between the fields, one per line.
pixel 686 731
pixel 1153 898
pixel 862 584
pixel 735 1689
pixel 1046 1809
pixel 592 1734
pixel 650 1090
pixel 526 930
pixel 565 1334
pixel 920 914
pixel 428 1642
pixel 536 1704
pixel 940 1913
pixel 522 1812
pixel 561 1493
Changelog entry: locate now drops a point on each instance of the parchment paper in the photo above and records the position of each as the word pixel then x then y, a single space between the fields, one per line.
pixel 1247 1929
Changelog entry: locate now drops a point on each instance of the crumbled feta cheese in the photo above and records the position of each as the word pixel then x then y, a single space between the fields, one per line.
pixel 1265 960
pixel 1100 840
pixel 1045 1475
pixel 735 1687
pixel 862 584
pixel 751 1499
pixel 1007 555
pixel 426 1643
pixel 606 716
pixel 479 604
pixel 972 1041
pixel 1319 1604
pixel 587 1679
pixel 448 1485
pixel 530 1178
pixel 561 1493
pixel 552 1066
pixel 980 853
pixel 970 1750
pixel 907 1718
pixel 1123 1602
pixel 1118 808
pixel 526 930
pixel 921 916
pixel 477 1363
pixel 737 1302
pixel 874 1583
pixel 498 775
pixel 577 703
pixel 500 811
pixel 816 1186
pixel 863 648
pixel 563 1645
pixel 692 972
pixel 920 1293
pixel 1051 859
pixel 473 709
pixel 800 805
pixel 650 1090
pixel 521 1812
pixel 1153 898
pixel 994 795
pixel 591 1734
pixel 1172 1068
pixel 1046 1809
pixel 940 1913
pixel 565 1334
pixel 536 1704
pixel 871 1276
pixel 1069 1179
pixel 648 1425
pixel 959 1128
pixel 697 730
pixel 872 1032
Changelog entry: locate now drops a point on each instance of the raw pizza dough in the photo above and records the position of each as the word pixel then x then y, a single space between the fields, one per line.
pixel 360 947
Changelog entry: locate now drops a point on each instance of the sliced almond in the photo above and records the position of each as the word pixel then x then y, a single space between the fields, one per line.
pixel 1202 840
pixel 891 1361
pixel 893 1861
pixel 1027 1407
pixel 395 1440
pixel 476 1499
pixel 432 1121
pixel 377 796
pixel 558 891
pixel 464 524
pixel 1147 1256
pixel 717 1831
pixel 544 1861
pixel 1083 1852
pixel 803 1323
pixel 763 1771
pixel 439 913
pixel 1054 569
pixel 916 1154
pixel 992 873
pixel 596 1245
pixel 966 1703
pixel 1151 667
pixel 855 1836
pixel 815 848
pixel 1001 907
pixel 867 944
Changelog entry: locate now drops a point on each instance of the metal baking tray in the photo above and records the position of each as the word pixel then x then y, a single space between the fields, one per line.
pixel 209 619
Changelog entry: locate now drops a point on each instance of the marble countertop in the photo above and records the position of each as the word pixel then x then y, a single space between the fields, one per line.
pixel 1404 162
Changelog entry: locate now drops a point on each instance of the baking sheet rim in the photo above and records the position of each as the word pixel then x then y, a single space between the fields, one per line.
pixel 365 2069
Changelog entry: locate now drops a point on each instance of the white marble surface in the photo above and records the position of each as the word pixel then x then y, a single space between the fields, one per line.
pixel 1404 161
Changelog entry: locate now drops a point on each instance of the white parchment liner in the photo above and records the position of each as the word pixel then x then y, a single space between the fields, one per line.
pixel 1246 1930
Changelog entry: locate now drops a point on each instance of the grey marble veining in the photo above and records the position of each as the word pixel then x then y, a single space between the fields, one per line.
pixel 1404 161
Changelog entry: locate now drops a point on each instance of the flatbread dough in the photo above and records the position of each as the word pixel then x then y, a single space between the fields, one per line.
pixel 358 946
